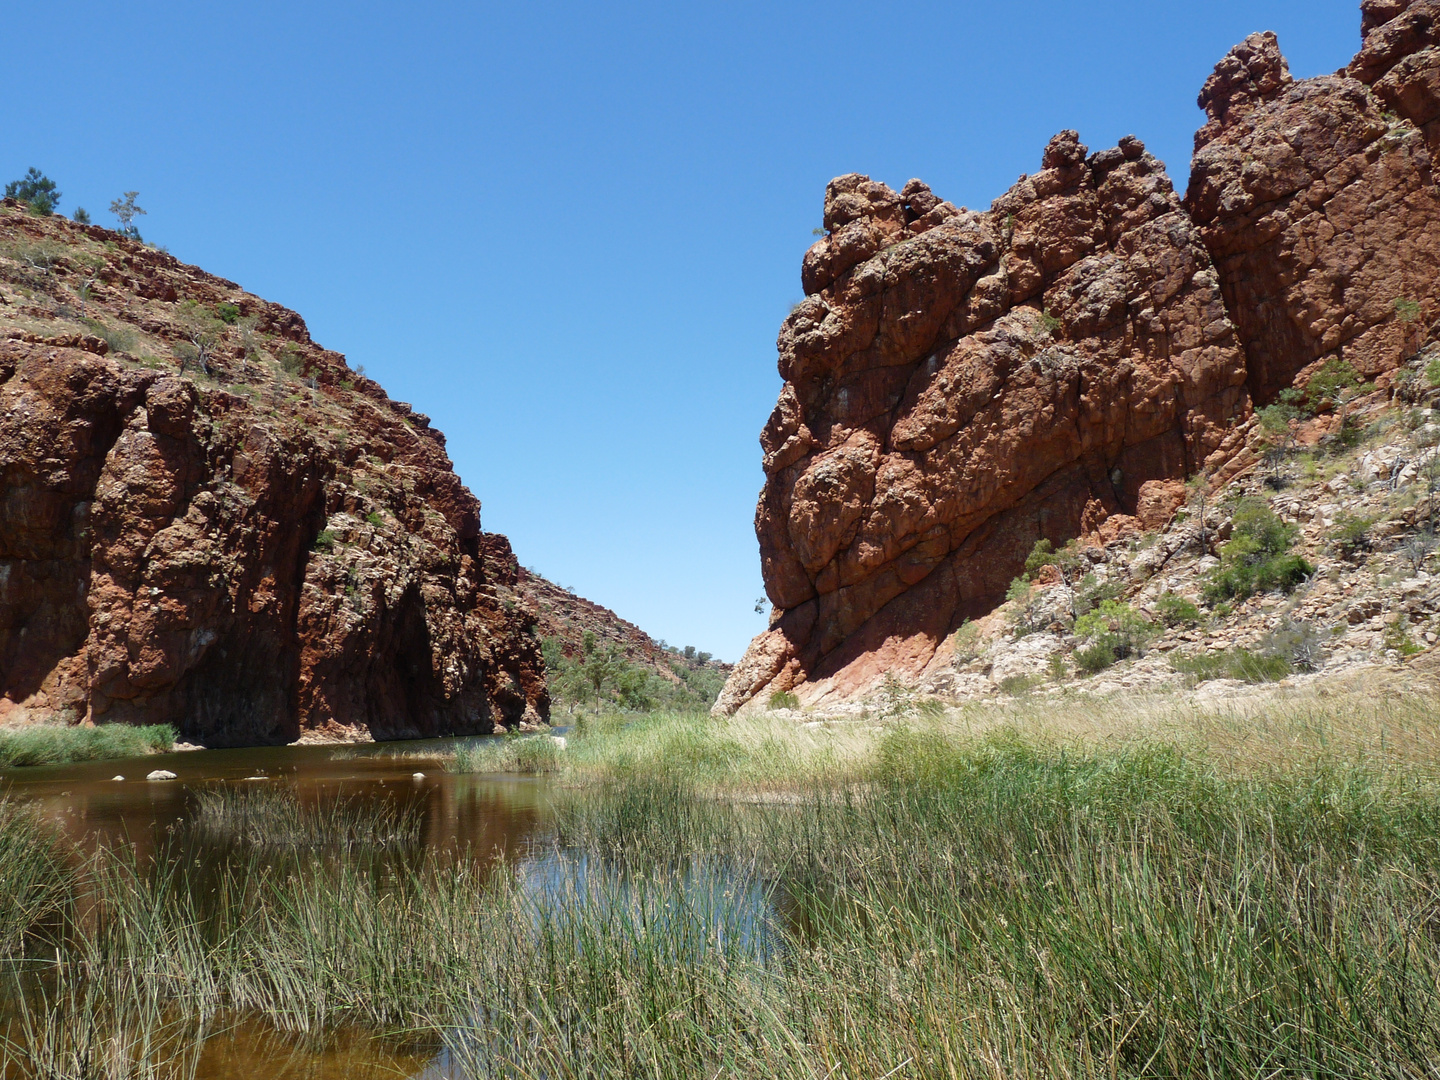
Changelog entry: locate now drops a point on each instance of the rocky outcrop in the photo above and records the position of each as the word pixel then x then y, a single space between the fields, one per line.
pixel 1320 210
pixel 959 384
pixel 210 521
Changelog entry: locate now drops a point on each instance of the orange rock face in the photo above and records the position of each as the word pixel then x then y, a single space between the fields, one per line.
pixel 268 548
pixel 1319 208
pixel 959 384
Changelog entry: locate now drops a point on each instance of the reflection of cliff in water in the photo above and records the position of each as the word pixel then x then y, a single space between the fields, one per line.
pixel 439 813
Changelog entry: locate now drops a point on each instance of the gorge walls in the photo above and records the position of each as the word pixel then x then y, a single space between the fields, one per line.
pixel 960 384
pixel 210 521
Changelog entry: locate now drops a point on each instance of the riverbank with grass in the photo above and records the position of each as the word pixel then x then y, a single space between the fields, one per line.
pixel 1375 718
pixel 1131 888
pixel 53 744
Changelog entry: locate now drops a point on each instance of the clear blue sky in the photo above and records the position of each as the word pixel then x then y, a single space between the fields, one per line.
pixel 569 232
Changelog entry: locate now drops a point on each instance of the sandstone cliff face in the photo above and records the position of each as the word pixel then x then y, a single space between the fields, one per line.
pixel 254 546
pixel 1320 211
pixel 959 384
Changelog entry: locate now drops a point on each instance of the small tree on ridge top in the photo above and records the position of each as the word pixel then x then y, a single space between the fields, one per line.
pixel 125 212
pixel 36 190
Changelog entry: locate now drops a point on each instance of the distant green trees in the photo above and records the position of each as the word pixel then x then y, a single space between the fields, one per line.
pixel 601 676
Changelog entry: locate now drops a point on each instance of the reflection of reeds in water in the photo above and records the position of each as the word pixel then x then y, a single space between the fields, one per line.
pixel 265 817
pixel 34 879
pixel 110 1027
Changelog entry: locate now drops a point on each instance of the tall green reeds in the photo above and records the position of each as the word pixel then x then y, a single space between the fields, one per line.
pixel 951 906
pixel 35 882
pixel 48 744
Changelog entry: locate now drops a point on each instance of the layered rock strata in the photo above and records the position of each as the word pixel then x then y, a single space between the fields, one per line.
pixel 959 384
pixel 210 521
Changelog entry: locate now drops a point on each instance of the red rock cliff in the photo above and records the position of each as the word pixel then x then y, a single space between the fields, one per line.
pixel 959 384
pixel 210 521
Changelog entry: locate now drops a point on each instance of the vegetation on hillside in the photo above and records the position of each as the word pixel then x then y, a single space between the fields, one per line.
pixel 1257 558
pixel 601 677
pixel 36 190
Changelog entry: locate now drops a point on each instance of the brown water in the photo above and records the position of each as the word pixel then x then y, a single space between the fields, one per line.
pixel 486 815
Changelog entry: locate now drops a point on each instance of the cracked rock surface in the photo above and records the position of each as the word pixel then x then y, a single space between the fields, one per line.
pixel 960 384
pixel 210 521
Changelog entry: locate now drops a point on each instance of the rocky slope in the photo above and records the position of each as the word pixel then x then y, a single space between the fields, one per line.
pixel 961 384
pixel 211 521
pixel 1363 518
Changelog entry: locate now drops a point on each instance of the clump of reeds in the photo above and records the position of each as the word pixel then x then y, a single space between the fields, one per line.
pixel 52 744
pixel 35 881
pixel 265 817
pixel 523 754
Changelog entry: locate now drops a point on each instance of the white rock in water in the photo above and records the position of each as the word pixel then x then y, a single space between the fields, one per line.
pixel 117 778
pixel 417 776
pixel 161 774
pixel 559 741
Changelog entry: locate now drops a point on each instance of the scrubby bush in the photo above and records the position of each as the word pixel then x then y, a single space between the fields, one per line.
pixel 1095 657
pixel 1235 663
pixel 1112 632
pixel 1352 534
pixel 1417 547
pixel 1257 557
pixel 783 699
pixel 1042 554
pixel 1332 385
pixel 81 216
pixel 1397 637
pixel 324 541
pixel 1175 610
pixel 229 314
pixel 203 333
pixel 36 190
pixel 1296 643
pixel 1019 685
pixel 1091 592
pixel 966 642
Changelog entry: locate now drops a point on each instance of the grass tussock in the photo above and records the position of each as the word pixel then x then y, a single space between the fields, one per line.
pixel 46 744
pixel 267 818
pixel 1156 891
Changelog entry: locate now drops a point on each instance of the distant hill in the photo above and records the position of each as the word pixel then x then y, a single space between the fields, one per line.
pixel 642 672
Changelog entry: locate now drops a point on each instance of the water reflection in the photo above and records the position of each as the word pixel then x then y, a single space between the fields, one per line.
pixel 484 815
pixel 366 806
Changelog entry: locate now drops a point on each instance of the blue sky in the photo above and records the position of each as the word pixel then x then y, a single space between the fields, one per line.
pixel 569 232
